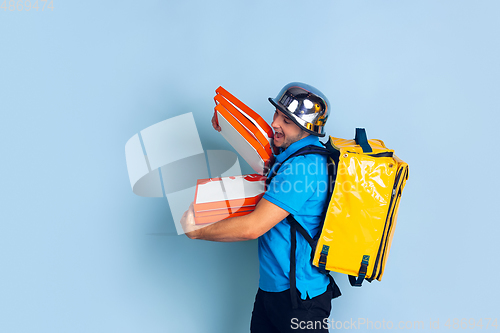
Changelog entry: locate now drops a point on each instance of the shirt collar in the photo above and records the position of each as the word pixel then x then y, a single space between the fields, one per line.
pixel 308 140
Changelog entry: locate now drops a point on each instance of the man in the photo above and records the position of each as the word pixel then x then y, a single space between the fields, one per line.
pixel 298 187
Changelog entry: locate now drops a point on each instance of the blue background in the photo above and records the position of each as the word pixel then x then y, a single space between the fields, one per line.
pixel 79 252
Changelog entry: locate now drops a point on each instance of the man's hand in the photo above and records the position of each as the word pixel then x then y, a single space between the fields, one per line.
pixel 215 124
pixel 188 223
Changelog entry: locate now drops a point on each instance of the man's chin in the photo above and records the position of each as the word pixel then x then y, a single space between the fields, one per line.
pixel 283 146
pixel 280 145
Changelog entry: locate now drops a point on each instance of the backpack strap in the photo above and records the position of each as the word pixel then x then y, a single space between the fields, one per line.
pixel 292 277
pixel 295 226
pixel 362 140
pixel 356 282
pixel 300 229
pixel 311 149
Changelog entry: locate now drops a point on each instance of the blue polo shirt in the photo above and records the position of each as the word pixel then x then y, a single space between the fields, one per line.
pixel 300 188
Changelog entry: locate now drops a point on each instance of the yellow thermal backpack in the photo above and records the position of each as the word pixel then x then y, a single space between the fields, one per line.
pixel 367 180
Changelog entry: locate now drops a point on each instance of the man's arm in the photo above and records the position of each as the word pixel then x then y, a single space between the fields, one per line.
pixel 265 216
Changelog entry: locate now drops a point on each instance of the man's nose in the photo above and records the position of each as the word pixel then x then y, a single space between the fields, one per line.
pixel 275 123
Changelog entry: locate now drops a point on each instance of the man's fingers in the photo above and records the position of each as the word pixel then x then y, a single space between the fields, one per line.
pixel 215 124
pixel 190 211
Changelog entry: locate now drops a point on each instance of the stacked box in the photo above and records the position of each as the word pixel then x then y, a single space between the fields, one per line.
pixel 217 199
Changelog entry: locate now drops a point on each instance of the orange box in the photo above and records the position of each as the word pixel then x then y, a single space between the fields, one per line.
pixel 217 218
pixel 246 110
pixel 222 197
pixel 217 199
pixel 245 130
pixel 228 210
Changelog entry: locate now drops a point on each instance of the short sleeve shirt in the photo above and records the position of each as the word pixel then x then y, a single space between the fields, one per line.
pixel 300 188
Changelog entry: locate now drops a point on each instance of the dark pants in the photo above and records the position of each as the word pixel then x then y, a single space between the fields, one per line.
pixel 273 313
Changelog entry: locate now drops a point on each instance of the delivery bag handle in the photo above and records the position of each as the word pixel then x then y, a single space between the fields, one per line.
pixel 362 140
